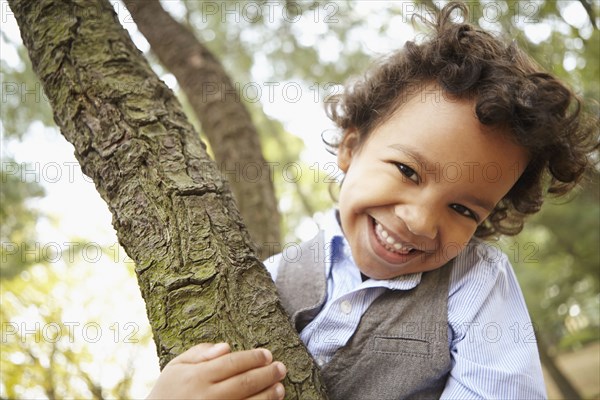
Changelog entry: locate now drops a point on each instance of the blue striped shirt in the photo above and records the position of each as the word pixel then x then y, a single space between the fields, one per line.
pixel 491 337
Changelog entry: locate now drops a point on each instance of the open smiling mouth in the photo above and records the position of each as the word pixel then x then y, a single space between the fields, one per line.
pixel 390 247
pixel 389 242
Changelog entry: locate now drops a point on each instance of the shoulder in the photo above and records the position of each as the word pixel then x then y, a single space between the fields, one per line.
pixel 482 276
pixel 272 265
pixel 480 263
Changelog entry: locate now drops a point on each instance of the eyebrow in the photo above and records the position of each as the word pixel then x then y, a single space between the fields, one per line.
pixel 412 152
pixel 419 158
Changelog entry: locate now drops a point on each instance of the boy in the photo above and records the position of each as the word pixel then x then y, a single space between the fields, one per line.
pixel 443 143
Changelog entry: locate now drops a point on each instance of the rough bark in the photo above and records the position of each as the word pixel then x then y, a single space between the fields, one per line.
pixel 224 118
pixel 172 210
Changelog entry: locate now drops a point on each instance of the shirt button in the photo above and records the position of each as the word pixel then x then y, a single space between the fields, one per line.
pixel 320 361
pixel 346 307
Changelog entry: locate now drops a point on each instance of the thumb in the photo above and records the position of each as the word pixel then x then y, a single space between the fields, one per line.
pixel 201 352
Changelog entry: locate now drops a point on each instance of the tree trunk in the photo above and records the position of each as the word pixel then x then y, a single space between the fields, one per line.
pixel 172 210
pixel 563 383
pixel 224 118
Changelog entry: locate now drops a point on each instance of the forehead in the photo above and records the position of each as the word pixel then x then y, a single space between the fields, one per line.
pixel 445 126
pixel 445 136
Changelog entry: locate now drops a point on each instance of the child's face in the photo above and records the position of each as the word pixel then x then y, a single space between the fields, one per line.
pixel 416 189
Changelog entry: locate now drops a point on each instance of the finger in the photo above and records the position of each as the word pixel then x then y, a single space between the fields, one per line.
pixel 274 392
pixel 202 352
pixel 238 362
pixel 254 381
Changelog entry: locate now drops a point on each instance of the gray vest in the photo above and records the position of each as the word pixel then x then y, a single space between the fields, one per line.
pixel 400 348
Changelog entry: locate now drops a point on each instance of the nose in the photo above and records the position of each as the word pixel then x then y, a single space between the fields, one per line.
pixel 420 219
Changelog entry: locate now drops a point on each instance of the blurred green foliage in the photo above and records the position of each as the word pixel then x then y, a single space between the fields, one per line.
pixel 51 349
pixel 18 218
pixel 557 260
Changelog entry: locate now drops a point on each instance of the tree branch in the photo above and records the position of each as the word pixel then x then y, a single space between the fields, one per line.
pixel 590 12
pixel 225 120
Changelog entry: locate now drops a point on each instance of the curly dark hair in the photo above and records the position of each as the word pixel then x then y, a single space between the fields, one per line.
pixel 509 90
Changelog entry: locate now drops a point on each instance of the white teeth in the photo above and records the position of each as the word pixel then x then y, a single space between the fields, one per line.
pixel 389 242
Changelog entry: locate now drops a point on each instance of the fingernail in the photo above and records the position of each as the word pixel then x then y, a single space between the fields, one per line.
pixel 267 355
pixel 282 369
pixel 280 390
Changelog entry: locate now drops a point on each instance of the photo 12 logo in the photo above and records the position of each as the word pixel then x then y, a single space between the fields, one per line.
pixel 269 11
pixel 52 332
pixel 54 252
pixel 489 11
pixel 47 172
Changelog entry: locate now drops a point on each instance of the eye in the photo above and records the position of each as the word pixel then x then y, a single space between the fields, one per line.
pixel 464 211
pixel 408 172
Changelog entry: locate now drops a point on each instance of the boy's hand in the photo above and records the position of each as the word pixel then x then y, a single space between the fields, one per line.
pixel 208 371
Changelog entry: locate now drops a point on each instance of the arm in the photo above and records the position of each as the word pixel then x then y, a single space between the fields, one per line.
pixel 493 346
pixel 213 371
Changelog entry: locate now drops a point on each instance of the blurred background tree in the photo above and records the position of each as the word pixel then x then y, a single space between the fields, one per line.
pixel 316 46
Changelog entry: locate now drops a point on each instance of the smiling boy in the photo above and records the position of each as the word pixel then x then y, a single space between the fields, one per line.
pixel 401 210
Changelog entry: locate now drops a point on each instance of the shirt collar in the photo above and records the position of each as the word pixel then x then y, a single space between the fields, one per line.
pixel 338 250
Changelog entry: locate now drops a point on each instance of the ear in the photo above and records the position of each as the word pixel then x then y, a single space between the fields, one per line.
pixel 347 148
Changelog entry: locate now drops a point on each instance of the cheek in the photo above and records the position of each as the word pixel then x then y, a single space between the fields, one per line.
pixel 451 250
pixel 456 242
pixel 366 190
